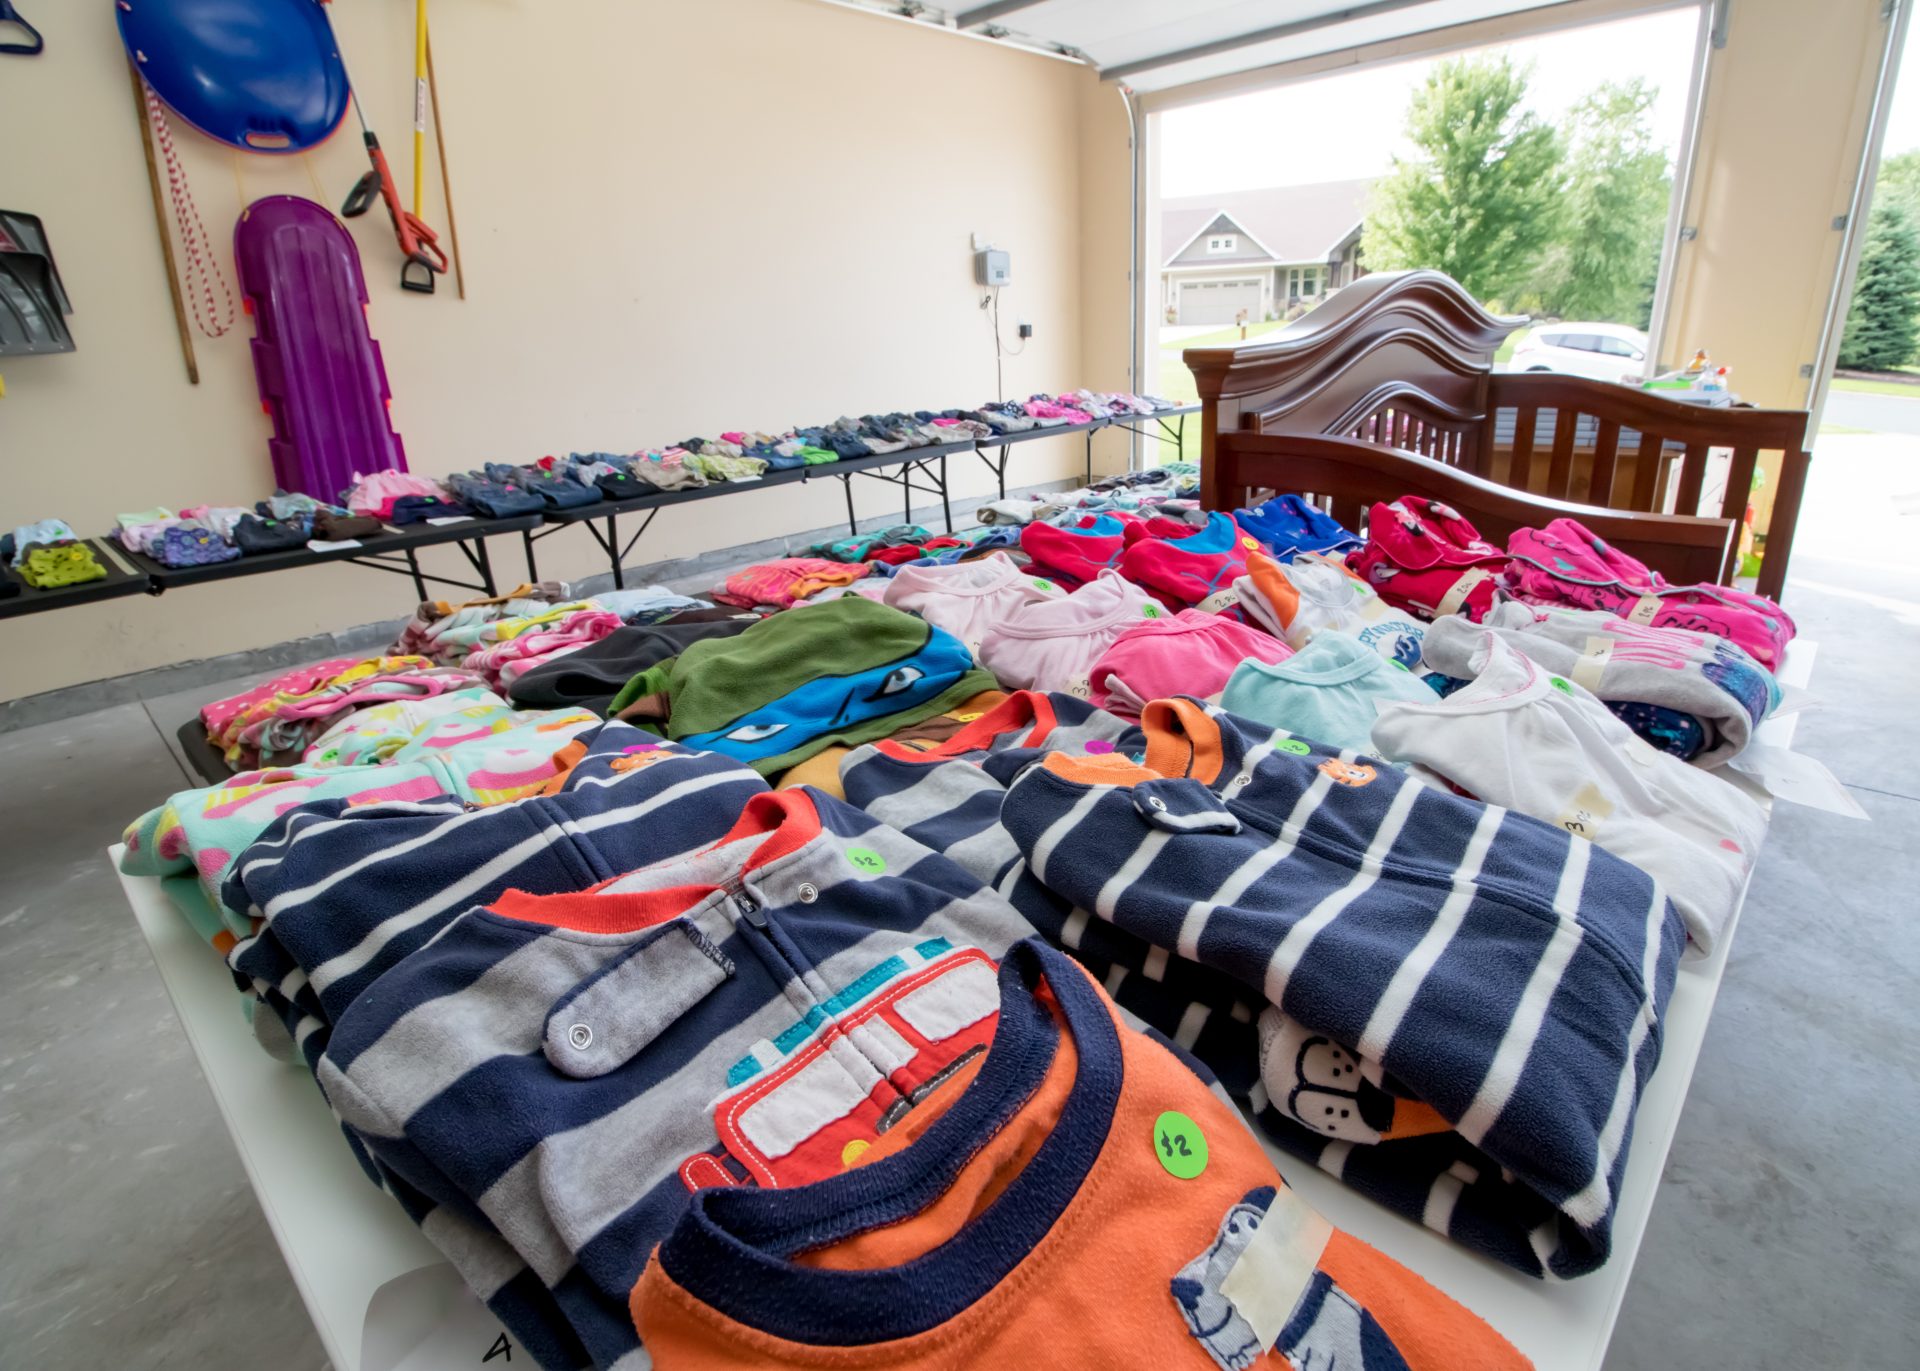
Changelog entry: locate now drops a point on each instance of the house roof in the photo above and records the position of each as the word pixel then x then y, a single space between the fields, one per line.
pixel 1293 223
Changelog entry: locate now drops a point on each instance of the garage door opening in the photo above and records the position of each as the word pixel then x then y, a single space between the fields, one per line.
pixel 1538 173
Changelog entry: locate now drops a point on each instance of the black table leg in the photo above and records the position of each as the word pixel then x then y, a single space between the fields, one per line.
pixel 946 501
pixel 413 566
pixel 486 565
pixel 853 523
pixel 613 552
pixel 533 572
pixel 1089 436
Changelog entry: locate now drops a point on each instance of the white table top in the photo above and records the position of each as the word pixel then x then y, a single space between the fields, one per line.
pixel 343 1239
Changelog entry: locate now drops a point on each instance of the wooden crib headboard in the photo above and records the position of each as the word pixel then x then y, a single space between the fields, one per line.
pixel 1389 388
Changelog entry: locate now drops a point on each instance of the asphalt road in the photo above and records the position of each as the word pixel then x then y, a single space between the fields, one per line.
pixel 1876 413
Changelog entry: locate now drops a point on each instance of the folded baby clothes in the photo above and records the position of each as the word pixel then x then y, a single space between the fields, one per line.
pixel 338 528
pixel 752 1014
pixel 49 566
pixel 371 736
pixel 1054 643
pixel 279 729
pixel 1079 1149
pixel 218 717
pixel 1651 673
pixel 1287 525
pixel 254 535
pixel 143 516
pixel 1189 653
pixel 417 509
pixel 281 505
pixel 1076 552
pixel 968 599
pixel 494 499
pixel 846 671
pixel 1331 691
pixel 313 943
pixel 1012 511
pixel 1185 567
pixel 555 491
pixel 784 582
pixel 716 467
pixel 374 495
pixel 593 675
pixel 1566 564
pixel 198 836
pixel 1532 741
pixel 572 630
pixel 1423 556
pixel 185 545
pixel 447 632
pixel 222 519
pixel 634 602
pixel 1464 1003
pixel 948 796
pixel 666 470
pixel 1315 594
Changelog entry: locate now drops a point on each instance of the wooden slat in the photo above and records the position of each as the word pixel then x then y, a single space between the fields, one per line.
pixel 1646 470
pixel 1520 468
pixel 1739 483
pixel 1693 475
pixel 1606 457
pixel 1566 423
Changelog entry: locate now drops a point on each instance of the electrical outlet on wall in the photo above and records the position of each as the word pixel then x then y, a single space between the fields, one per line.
pixel 1026 329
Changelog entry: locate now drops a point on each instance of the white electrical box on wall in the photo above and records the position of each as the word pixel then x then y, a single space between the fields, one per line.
pixel 991 267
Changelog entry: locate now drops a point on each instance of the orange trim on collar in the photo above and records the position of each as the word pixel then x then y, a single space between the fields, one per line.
pixel 785 819
pixel 1100 769
pixel 564 761
pixel 1029 709
pixel 1182 740
pixel 584 911
pixel 1275 585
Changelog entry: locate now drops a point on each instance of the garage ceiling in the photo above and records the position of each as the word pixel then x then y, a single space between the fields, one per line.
pixel 1157 44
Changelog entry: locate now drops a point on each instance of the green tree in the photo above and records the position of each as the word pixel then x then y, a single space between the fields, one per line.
pixel 1899 183
pixel 1615 210
pixel 1480 198
pixel 1882 330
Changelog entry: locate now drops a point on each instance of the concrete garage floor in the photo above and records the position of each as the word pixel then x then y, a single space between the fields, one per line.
pixel 1785 1234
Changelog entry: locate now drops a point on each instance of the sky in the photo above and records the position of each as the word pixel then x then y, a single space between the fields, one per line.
pixel 1349 125
pixel 1903 119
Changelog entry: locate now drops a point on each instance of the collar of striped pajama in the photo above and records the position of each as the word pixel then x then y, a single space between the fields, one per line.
pixel 773 825
pixel 734 1248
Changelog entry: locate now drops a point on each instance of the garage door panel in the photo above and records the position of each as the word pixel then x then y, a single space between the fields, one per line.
pixel 1218 302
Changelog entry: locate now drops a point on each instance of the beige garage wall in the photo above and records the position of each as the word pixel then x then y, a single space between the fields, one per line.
pixel 678 217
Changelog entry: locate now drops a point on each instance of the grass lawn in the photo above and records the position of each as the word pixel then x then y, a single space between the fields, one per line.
pixel 1905 390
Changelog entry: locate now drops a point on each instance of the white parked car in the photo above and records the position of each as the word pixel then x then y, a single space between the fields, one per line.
pixel 1605 352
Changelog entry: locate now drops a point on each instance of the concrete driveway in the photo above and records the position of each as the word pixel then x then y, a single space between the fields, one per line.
pixel 1875 413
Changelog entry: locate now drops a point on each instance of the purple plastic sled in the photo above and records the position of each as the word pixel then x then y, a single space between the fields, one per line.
pixel 319 370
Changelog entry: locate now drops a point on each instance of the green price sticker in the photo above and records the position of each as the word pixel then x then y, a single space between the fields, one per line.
pixel 867 860
pixel 1560 685
pixel 1180 1145
pixel 1293 745
pixel 1041 583
pixel 1150 611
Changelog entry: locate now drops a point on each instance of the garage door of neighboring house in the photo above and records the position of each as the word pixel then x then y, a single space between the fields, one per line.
pixel 1218 302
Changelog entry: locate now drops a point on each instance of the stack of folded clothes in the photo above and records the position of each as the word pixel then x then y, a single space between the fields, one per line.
pixel 48 554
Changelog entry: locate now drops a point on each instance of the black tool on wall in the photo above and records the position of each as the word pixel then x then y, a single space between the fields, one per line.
pixel 33 299
pixel 34 42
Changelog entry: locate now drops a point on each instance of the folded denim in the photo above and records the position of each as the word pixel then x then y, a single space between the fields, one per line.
pixel 254 535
